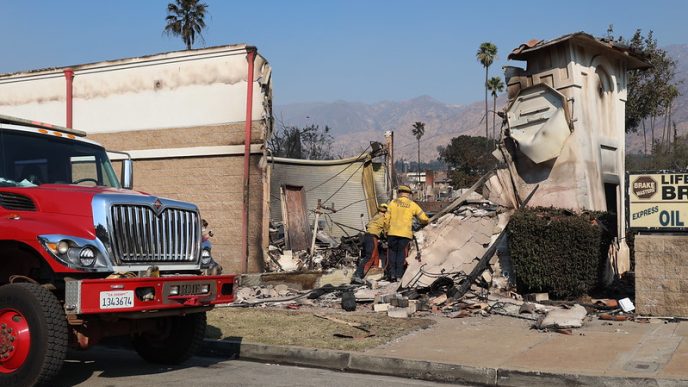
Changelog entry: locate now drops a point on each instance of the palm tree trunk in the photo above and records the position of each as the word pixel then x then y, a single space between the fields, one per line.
pixel 644 137
pixel 664 130
pixel 419 185
pixel 652 132
pixel 669 121
pixel 675 135
pixel 487 134
pixel 494 119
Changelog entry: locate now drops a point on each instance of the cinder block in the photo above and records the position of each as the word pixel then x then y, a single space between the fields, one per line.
pixel 381 307
pixel 537 297
pixel 413 306
pixel 384 298
pixel 397 312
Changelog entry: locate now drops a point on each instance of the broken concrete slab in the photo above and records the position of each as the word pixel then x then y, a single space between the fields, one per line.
pixel 564 318
pixel 365 295
pixel 245 294
pixel 439 300
pixel 455 243
pixel 336 277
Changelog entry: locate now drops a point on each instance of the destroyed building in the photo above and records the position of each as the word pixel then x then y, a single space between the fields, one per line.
pixel 563 146
pixel 354 186
pixel 565 125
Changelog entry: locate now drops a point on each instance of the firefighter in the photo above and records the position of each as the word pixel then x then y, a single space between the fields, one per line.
pixel 375 229
pixel 401 212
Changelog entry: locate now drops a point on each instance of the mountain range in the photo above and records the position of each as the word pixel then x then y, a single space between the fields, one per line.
pixel 355 124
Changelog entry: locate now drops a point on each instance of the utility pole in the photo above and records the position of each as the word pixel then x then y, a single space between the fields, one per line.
pixel 391 173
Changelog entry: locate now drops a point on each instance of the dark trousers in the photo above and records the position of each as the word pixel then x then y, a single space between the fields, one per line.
pixel 369 246
pixel 397 255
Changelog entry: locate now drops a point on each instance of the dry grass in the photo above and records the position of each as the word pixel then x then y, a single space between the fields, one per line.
pixel 303 328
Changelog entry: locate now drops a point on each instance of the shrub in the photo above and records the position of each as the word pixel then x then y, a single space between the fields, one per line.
pixel 557 251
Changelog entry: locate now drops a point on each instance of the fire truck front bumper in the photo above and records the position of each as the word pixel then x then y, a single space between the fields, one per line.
pixel 148 294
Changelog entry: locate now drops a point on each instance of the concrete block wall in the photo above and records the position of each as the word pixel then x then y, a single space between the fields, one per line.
pixel 661 275
pixel 228 134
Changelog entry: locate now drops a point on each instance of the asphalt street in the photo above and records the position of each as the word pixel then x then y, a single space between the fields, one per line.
pixel 103 366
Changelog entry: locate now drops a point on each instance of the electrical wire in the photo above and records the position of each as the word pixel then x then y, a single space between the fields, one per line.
pixel 351 204
pixel 340 172
pixel 342 225
pixel 343 184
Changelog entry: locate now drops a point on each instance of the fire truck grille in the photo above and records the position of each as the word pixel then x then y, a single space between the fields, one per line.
pixel 139 235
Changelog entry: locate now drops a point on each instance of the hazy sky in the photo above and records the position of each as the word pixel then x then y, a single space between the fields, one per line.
pixel 329 50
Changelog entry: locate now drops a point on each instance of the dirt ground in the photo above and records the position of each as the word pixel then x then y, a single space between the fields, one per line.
pixel 303 328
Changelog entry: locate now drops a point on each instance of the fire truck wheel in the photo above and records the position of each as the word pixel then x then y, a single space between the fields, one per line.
pixel 175 341
pixel 33 335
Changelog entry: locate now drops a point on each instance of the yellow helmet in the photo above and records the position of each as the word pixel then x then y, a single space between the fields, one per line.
pixel 382 207
pixel 404 188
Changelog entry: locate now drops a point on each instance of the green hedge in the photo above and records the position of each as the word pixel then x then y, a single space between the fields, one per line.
pixel 559 252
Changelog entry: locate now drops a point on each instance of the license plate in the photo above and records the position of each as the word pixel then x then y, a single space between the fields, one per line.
pixel 117 300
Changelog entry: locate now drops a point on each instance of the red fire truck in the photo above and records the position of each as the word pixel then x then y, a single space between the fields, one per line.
pixel 83 256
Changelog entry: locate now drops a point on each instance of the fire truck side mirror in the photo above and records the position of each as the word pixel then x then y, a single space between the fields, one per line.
pixel 127 174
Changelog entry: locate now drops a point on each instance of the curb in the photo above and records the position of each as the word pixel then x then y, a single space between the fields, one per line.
pixel 414 369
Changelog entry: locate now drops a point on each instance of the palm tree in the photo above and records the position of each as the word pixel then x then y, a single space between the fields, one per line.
pixel 418 131
pixel 185 18
pixel 495 85
pixel 486 55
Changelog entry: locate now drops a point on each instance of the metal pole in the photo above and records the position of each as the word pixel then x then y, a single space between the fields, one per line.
pixel 315 229
pixel 69 77
pixel 250 57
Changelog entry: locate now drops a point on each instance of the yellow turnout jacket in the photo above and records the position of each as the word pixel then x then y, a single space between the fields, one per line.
pixel 401 212
pixel 378 224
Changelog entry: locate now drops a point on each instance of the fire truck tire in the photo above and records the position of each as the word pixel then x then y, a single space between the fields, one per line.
pixel 33 335
pixel 177 339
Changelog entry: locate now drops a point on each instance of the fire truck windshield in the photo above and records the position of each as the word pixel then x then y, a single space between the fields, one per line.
pixel 31 159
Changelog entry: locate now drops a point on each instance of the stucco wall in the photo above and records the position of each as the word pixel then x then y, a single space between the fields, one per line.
pixel 661 275
pixel 171 90
pixel 594 85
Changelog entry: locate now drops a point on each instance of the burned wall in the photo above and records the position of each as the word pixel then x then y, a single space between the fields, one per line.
pixel 587 171
pixel 335 182
pixel 593 86
pixel 170 90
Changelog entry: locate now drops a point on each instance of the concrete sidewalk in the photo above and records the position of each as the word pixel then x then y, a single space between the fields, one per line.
pixel 501 350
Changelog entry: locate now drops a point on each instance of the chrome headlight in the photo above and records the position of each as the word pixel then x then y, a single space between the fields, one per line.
pixel 77 253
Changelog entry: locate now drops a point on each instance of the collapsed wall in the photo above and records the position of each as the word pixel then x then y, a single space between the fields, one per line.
pixel 566 128
pixel 563 146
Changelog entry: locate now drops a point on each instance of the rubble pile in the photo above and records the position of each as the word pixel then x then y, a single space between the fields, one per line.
pixel 439 299
pixel 455 244
pixel 458 267
pixel 330 252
